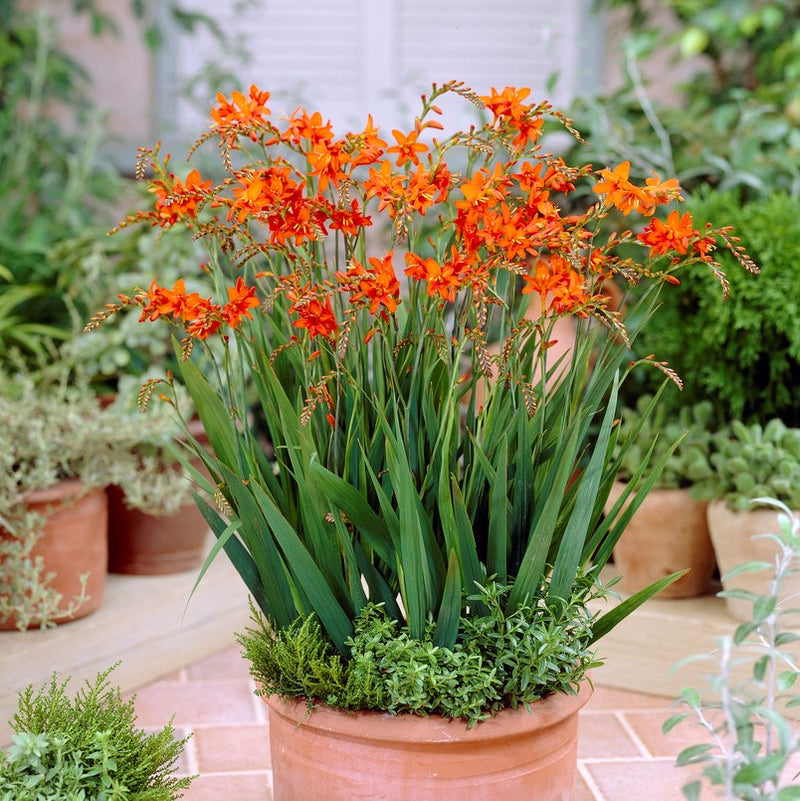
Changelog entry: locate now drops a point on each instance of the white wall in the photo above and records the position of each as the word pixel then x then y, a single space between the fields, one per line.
pixel 348 58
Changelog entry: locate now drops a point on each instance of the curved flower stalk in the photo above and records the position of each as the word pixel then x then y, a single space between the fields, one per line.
pixel 384 478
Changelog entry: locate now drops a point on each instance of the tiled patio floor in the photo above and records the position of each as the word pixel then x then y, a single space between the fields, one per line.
pixel 622 754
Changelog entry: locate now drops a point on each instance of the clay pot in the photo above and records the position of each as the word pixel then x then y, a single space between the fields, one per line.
pixel 330 754
pixel 668 533
pixel 733 536
pixel 143 544
pixel 73 543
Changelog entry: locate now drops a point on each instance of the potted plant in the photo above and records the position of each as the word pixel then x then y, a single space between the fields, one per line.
pixel 59 450
pixel 411 550
pixel 669 531
pixel 87 747
pixel 751 462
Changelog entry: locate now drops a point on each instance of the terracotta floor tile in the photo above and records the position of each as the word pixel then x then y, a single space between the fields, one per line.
pixel 583 792
pixel 600 734
pixel 227 664
pixel 232 748
pixel 647 727
pixel 230 786
pixel 195 702
pixel 611 698
pixel 642 780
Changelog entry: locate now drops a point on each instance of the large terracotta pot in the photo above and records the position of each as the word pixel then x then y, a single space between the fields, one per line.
pixel 144 544
pixel 735 542
pixel 73 543
pixel 331 755
pixel 669 532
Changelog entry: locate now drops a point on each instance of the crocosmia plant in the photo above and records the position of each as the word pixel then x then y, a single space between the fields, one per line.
pixel 392 435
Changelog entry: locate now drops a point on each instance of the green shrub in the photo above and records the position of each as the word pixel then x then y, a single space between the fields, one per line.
pixel 744 353
pixel 499 660
pixel 87 748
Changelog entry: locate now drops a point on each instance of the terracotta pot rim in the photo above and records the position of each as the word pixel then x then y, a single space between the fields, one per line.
pixel 377 725
pixel 64 488
pixel 717 504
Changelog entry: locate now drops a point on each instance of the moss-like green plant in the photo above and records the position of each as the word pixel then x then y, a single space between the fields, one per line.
pixel 688 465
pixel 87 748
pixel 756 461
pixel 500 659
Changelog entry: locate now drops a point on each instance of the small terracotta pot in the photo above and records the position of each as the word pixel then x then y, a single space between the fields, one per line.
pixel 735 542
pixel 330 754
pixel 668 533
pixel 144 544
pixel 73 543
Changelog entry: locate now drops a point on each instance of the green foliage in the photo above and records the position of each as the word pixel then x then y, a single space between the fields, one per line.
pixel 87 748
pixel 734 123
pixel 684 438
pixel 52 429
pixel 744 353
pixel 749 721
pixel 756 461
pixel 498 660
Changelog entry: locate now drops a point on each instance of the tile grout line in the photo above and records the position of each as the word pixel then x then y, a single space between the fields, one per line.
pixel 640 746
pixel 588 779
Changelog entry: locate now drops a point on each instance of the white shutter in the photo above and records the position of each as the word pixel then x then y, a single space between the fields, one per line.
pixel 348 58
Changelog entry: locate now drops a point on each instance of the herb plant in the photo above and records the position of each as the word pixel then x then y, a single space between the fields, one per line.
pixel 750 724
pixel 89 747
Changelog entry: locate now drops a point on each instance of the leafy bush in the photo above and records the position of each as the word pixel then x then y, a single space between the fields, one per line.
pixel 500 659
pixel 744 353
pixel 734 123
pixel 87 748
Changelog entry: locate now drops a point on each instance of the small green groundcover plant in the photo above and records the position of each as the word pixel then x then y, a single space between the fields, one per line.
pixel 749 721
pixel 500 659
pixel 87 749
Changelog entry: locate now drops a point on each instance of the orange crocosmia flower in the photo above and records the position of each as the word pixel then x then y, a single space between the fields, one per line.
pixel 443 279
pixel 674 234
pixel 378 286
pixel 348 220
pixel 206 320
pixel 241 298
pixel 367 147
pixel 484 190
pixel 389 187
pixel 661 192
pixel 327 160
pixel 507 103
pixel 620 192
pixel 559 286
pixel 240 114
pixel 175 302
pixel 176 200
pixel 316 316
pixel 407 147
pixel 312 128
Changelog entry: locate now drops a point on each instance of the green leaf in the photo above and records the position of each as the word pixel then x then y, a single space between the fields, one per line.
pixel 759 771
pixel 610 619
pixel 450 609
pixel 693 754
pixel 671 722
